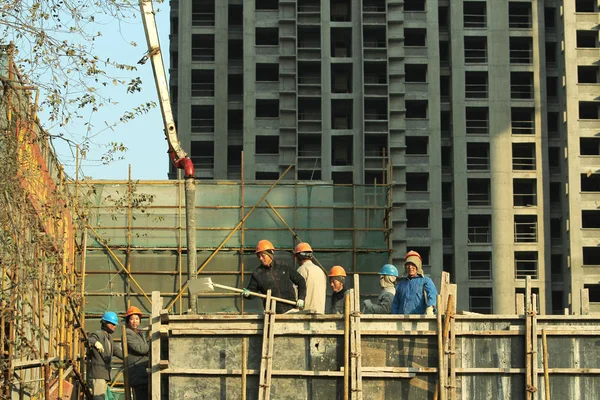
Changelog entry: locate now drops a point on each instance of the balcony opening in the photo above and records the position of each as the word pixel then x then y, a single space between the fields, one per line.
pixel 234 161
pixel 593 292
pixel 521 85
pixel 375 73
pixel 309 37
pixel 417 182
pixel 556 267
pixel 309 109
pixel 480 265
pixel 447 194
pixel 310 6
pixel 203 83
pixel 478 156
pixel 474 14
pixel 584 6
pixel 555 194
pixel 341 78
pixel 446 124
pixel 480 300
pixel 477 120
pixel 415 37
pixel 342 150
pixel 550 18
pixel 309 73
pixel 341 10
pixel 526 264
pixel 519 15
pixel 235 87
pixel 522 120
pixel 341 42
pixel 554 159
pixel 309 149
pixel 589 146
pixel 235 124
pixel 588 109
pixel 374 177
pixel 376 146
pixel 266 176
pixel 524 192
pixel 203 119
pixel 447 235
pixel 521 50
pixel 267 108
pixel 267 37
pixel 418 219
pixel 478 192
pixel 443 16
pixel 587 39
pixel 551 54
pixel 556 231
pixel 342 178
pixel 415 72
pixel 526 229
pixel 376 109
pixel 476 84
pixel 267 4
pixel 267 72
pixel 553 123
pixel 557 302
pixel 203 48
pixel 374 37
pixel 479 229
pixel 591 256
pixel 416 109
pixel 445 88
pixel 552 88
pixel 266 145
pixel 587 74
pixel 174 26
pixel 341 114
pixel 235 17
pixel 590 219
pixel 414 5
pixel 235 52
pixel 203 13
pixel 475 50
pixel 523 157
pixel 447 156
pixel 203 155
pixel 373 5
pixel 590 183
pixel 417 145
pixel 444 53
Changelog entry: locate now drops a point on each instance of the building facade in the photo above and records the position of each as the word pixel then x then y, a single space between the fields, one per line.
pixel 484 115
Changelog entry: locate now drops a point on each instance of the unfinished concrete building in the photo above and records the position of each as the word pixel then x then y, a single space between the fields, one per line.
pixel 486 112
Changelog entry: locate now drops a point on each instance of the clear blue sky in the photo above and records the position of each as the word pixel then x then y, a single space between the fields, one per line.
pixel 144 136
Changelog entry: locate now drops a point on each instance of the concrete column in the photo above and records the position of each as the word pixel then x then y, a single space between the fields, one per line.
pixel 221 97
pixel 249 109
pixel 184 76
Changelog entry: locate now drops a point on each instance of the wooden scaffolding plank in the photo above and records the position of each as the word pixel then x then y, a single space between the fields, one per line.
pixel 452 289
pixel 534 352
pixel 441 393
pixel 528 351
pixel 270 350
pixel 347 341
pixel 352 348
pixel 356 320
pixel 265 348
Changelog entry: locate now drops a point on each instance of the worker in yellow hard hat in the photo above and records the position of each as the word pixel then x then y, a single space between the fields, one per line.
pixel 337 282
pixel 277 276
pixel 316 280
pixel 138 348
pixel 415 292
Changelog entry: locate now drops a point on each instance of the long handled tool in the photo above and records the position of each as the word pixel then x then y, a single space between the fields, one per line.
pixel 207 285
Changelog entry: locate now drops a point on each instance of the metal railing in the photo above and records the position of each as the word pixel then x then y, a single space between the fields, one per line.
pixel 526 232
pixel 475 21
pixel 480 269
pixel 203 54
pixel 203 89
pixel 521 91
pixel 525 268
pixel 522 127
pixel 475 56
pixel 309 116
pixel 203 162
pixel 203 125
pixel 478 199
pixel 523 163
pixel 309 80
pixel 521 56
pixel 476 90
pixel 481 163
pixel 477 127
pixel 309 8
pixel 519 21
pixel 479 234
pixel 203 19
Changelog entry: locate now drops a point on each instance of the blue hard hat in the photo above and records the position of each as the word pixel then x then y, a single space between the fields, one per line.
pixel 110 317
pixel 389 269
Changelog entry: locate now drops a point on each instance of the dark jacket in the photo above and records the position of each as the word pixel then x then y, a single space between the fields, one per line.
pixel 280 278
pixel 99 365
pixel 414 295
pixel 337 302
pixel 137 347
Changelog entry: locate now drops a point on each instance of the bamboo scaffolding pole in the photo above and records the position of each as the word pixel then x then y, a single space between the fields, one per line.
pixel 180 210
pixel 528 349
pixel 128 237
pixel 214 253
pixel 347 348
pixel 242 245
pixel 545 365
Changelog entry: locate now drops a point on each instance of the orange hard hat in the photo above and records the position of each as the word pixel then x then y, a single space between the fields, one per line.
pixel 336 270
pixel 133 310
pixel 264 245
pixel 303 248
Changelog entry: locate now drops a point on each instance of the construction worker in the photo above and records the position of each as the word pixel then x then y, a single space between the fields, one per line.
pixel 277 276
pixel 337 280
pixel 137 348
pixel 415 292
pixel 316 280
pixel 387 283
pixel 100 353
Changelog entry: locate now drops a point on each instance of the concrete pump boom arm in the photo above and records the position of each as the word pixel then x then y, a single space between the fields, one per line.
pixel 178 155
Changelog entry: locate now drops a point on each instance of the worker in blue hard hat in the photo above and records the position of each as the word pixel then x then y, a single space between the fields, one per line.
pixel 387 282
pixel 101 350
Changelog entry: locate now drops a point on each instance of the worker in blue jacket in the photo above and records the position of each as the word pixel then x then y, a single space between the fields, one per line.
pixel 415 292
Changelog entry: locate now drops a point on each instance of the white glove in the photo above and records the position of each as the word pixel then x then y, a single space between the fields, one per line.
pixel 367 303
pixel 99 347
pixel 429 311
pixel 300 304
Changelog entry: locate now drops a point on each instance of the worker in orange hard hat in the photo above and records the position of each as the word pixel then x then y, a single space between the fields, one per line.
pixel 337 282
pixel 277 276
pixel 415 292
pixel 138 348
pixel 316 280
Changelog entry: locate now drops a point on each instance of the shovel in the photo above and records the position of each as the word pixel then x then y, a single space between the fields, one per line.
pixel 207 285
